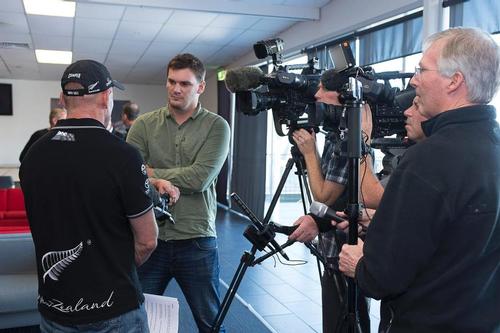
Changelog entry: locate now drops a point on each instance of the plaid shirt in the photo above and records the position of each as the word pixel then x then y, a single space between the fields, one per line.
pixel 333 166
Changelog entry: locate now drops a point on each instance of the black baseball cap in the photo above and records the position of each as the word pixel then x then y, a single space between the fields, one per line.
pixel 92 75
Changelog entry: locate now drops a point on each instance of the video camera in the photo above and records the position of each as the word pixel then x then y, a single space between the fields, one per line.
pixel 289 95
pixel 386 102
pixel 160 206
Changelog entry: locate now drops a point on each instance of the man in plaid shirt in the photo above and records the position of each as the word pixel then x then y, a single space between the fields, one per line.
pixel 328 176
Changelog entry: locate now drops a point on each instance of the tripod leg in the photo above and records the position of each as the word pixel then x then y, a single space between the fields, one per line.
pixel 304 186
pixel 276 196
pixel 246 261
pixel 302 195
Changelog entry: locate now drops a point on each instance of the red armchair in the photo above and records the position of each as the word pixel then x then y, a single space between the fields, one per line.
pixel 12 211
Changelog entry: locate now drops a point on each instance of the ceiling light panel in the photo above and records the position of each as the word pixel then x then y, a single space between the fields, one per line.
pixel 50 7
pixel 53 57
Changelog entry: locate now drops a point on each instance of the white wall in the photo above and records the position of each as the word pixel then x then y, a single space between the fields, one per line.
pixel 209 98
pixel 31 106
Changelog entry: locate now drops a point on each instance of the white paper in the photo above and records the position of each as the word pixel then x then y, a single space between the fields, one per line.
pixel 163 313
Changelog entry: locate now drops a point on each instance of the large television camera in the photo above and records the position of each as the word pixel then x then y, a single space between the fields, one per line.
pixel 291 96
pixel 386 102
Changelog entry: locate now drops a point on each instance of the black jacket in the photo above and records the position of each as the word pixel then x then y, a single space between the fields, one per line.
pixel 34 138
pixel 432 252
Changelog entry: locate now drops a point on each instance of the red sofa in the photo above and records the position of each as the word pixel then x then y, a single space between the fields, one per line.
pixel 18 278
pixel 12 211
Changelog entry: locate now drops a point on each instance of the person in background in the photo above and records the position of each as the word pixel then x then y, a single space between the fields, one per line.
pixel 130 112
pixel 54 116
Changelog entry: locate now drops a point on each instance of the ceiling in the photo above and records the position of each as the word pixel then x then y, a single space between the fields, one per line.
pixel 135 39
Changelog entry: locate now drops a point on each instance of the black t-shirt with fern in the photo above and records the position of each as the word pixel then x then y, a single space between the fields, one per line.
pixel 81 186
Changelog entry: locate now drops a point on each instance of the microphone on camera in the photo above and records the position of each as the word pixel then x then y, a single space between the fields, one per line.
pixel 243 79
pixel 323 211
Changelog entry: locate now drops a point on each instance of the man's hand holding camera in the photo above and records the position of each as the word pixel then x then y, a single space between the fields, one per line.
pixel 164 186
pixel 306 142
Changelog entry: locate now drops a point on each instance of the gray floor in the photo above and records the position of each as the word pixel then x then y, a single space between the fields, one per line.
pixel 286 294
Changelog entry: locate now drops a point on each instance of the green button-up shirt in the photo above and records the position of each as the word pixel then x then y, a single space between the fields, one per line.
pixel 190 156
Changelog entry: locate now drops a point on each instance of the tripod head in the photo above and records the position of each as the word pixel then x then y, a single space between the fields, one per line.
pixel 258 234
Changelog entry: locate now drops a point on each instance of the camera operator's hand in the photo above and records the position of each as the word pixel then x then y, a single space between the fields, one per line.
pixel 363 221
pixel 306 142
pixel 349 257
pixel 307 229
pixel 164 186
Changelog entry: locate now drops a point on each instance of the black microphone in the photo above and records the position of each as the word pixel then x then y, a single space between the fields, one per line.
pixel 323 211
pixel 243 79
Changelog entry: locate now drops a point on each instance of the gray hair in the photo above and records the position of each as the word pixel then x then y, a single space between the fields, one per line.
pixel 473 53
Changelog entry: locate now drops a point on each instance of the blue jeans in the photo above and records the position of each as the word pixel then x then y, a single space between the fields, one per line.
pixel 194 263
pixel 135 321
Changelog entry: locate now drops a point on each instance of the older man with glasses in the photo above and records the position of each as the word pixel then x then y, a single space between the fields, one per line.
pixel 432 250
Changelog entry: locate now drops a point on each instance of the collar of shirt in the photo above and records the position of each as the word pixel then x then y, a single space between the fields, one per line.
pixel 193 116
pixel 472 113
pixel 78 122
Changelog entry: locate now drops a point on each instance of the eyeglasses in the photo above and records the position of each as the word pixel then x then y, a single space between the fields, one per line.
pixel 420 70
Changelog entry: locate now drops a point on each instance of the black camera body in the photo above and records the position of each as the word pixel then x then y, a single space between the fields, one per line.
pixel 160 206
pixel 289 95
pixel 387 103
pixel 292 96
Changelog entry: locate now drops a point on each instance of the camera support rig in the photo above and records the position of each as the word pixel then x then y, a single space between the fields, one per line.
pixel 353 100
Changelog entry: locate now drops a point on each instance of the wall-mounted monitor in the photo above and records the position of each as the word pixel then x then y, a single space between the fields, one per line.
pixel 5 99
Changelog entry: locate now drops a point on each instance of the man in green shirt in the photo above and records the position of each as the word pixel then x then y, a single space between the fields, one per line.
pixel 186 145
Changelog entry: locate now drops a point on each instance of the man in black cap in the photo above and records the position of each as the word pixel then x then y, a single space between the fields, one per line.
pixel 90 214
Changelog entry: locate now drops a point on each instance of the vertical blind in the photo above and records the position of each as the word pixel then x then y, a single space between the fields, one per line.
pixel 484 14
pixel 395 39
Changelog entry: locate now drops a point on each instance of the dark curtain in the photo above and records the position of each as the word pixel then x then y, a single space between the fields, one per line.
pixel 248 178
pixel 484 14
pixel 224 110
pixel 387 41
pixel 399 39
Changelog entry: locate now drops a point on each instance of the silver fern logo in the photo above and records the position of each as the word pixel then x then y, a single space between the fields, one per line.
pixel 55 262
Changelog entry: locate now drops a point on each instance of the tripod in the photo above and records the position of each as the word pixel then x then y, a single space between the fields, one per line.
pixel 261 234
pixel 354 105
